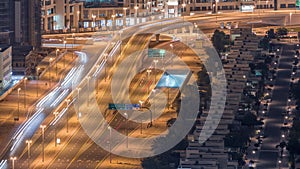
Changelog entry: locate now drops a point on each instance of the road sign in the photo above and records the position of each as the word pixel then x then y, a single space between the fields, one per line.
pixel 113 106
pixel 156 53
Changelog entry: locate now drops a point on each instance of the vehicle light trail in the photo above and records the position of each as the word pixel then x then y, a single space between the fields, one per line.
pixel 59 98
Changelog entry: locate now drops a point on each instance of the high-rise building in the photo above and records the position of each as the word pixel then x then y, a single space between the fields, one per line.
pixel 20 21
pixel 27 26
pixel 6 21
pixel 20 26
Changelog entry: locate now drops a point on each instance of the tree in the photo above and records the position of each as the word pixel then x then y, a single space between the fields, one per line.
pixel 296 93
pixel 281 145
pixel 264 43
pixel 250 120
pixel 164 160
pixel 271 34
pixel 219 40
pixel 281 31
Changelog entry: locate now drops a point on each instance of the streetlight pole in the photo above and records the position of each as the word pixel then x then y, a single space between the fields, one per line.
pixel 141 126
pixel 50 60
pixel 148 75
pixel 28 142
pixel 78 96
pixel 172 47
pixel 88 89
pixel 126 124
pixel 78 90
pixel 120 39
pixel 43 141
pixel 68 101
pixel 105 68
pixel 183 10
pixel 113 23
pixel 94 17
pixel 56 51
pixel 73 37
pixel 291 18
pixel 154 91
pixel 155 72
pixel 168 83
pixel 19 89
pixel 65 42
pixel 78 13
pixel 148 8
pixel 37 82
pixel 109 128
pixel 13 161
pixel 55 136
pixel 136 14
pixel 25 88
pixel 124 17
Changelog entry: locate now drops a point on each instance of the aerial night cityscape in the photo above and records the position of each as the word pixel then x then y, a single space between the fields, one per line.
pixel 149 84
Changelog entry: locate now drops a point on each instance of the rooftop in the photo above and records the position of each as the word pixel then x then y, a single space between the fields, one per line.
pixel 3 47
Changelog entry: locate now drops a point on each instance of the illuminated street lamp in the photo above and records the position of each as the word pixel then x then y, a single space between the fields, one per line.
pixel 25 88
pixel 124 16
pixel 88 89
pixel 13 161
pixel 141 103
pixel 78 90
pixel 155 62
pixel 113 23
pixel 94 22
pixel 148 75
pixel 120 39
pixel 56 51
pixel 172 47
pixel 183 10
pixel 68 101
pixel 168 84
pixel 50 60
pixel 28 142
pixel 78 96
pixel 73 37
pixel 279 164
pixel 136 14
pixel 43 141
pixel 37 81
pixel 105 68
pixel 19 89
pixel 154 92
pixel 126 124
pixel 109 128
pixel 291 18
pixel 148 7
pixel 78 13
pixel 65 42
pixel 55 134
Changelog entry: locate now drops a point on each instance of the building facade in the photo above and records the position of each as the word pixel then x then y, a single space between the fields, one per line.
pixel 75 15
pixel 5 66
pixel 20 22
pixel 6 22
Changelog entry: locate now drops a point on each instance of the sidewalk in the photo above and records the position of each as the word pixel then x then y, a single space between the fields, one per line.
pixel 35 89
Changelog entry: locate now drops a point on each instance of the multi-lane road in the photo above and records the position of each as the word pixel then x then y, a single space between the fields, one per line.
pixel 76 144
pixel 269 155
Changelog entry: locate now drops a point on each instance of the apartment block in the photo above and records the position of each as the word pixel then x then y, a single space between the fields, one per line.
pixel 212 154
pixel 5 65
